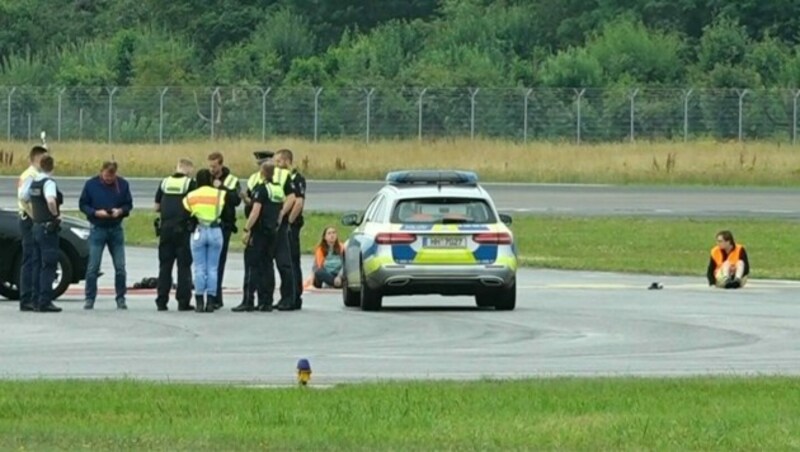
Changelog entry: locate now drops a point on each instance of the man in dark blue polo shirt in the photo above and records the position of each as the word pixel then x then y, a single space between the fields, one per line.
pixel 106 200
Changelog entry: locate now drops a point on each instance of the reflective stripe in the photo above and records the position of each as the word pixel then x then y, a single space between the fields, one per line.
pixel 30 172
pixel 254 180
pixel 230 182
pixel 277 194
pixel 175 185
pixel 205 203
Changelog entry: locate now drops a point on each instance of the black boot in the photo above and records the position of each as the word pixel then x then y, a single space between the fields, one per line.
pixel 212 303
pixel 200 302
pixel 245 306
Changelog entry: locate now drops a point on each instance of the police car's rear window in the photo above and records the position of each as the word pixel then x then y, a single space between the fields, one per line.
pixel 443 210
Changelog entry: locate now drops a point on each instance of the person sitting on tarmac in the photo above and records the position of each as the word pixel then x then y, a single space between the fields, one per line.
pixel 728 266
pixel 328 256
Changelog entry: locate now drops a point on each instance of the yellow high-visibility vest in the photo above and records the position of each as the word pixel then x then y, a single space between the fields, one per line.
pixel 31 172
pixel 279 178
pixel 205 203
pixel 175 185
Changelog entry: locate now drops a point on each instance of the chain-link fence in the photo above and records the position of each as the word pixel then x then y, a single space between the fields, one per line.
pixel 171 114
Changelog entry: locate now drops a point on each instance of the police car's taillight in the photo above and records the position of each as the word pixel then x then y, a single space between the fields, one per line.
pixel 394 238
pixel 492 238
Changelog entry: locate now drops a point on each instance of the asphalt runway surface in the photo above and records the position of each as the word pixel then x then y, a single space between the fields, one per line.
pixel 566 323
pixel 543 199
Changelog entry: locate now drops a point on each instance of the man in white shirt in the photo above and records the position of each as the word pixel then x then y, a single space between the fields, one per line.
pixel 29 273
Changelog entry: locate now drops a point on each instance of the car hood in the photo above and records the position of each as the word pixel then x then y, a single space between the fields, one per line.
pixel 75 222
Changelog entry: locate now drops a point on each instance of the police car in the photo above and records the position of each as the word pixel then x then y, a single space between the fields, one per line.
pixel 430 232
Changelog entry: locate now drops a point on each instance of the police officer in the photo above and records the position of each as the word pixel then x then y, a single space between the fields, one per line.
pixel 45 201
pixel 222 178
pixel 174 230
pixel 253 182
pixel 294 216
pixel 263 236
pixel 29 273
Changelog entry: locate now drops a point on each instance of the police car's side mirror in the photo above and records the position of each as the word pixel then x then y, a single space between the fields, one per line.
pixel 505 219
pixel 351 219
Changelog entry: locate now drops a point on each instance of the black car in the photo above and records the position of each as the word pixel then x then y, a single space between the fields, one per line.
pixel 72 261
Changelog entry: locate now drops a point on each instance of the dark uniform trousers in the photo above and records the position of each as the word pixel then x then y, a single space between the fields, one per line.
pixel 31 265
pixel 174 245
pixel 268 247
pixel 45 236
pixel 294 244
pixel 223 259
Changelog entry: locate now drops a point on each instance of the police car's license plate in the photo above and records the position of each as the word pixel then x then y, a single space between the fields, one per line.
pixel 444 241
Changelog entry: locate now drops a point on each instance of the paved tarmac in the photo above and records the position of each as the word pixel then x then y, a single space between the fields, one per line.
pixel 566 323
pixel 557 199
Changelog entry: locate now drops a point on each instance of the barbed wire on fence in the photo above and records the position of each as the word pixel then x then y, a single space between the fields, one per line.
pixel 178 113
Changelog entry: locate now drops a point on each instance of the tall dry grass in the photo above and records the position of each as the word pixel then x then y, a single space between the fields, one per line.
pixel 704 162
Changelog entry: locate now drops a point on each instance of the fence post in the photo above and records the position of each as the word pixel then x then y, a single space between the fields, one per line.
pixel 317 92
pixel 741 93
pixel 264 94
pixel 632 96
pixel 794 116
pixel 369 92
pixel 213 109
pixel 10 93
pixel 419 114
pixel 686 95
pixel 525 116
pixel 578 119
pixel 110 110
pixel 29 127
pixel 472 93
pixel 58 126
pixel 161 115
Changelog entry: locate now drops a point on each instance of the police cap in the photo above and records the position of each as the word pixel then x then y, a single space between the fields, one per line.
pixel 262 156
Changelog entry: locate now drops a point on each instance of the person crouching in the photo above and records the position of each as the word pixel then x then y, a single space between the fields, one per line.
pixel 205 204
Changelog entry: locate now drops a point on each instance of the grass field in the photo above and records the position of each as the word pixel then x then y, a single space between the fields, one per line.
pixel 670 246
pixel 706 162
pixel 562 414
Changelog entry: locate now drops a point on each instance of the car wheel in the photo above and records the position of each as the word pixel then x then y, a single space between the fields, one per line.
pixel 9 290
pixel 370 299
pixel 351 298
pixel 506 300
pixel 64 276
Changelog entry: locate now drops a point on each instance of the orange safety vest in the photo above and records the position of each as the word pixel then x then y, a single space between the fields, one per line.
pixel 733 257
pixel 319 255
pixel 205 203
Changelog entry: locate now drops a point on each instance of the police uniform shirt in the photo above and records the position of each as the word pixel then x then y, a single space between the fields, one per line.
pixel 269 210
pixel 299 190
pixel 49 189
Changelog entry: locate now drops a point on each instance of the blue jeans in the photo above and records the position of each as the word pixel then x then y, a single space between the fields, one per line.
pixel 29 273
pixel 206 248
pixel 99 238
pixel 46 252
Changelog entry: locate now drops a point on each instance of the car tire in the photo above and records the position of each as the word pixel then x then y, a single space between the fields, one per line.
pixel 371 300
pixel 11 291
pixel 351 298
pixel 506 299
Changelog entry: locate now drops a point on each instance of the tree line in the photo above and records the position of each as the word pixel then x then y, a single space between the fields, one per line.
pixel 338 45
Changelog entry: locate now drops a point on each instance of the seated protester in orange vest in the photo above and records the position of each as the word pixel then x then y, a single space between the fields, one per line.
pixel 728 265
pixel 328 257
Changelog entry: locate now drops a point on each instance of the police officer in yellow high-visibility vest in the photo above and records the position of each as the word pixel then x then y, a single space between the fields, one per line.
pixel 29 273
pixel 174 230
pixel 206 204
pixel 278 188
